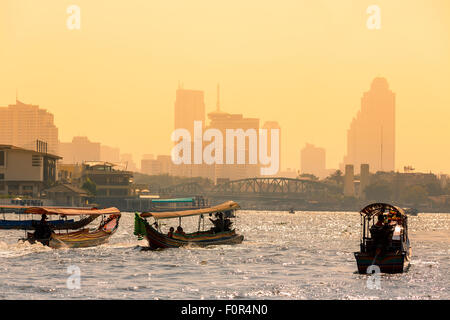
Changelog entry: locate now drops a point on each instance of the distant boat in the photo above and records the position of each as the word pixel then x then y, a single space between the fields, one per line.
pixel 220 234
pixel 291 210
pixel 384 239
pixel 411 211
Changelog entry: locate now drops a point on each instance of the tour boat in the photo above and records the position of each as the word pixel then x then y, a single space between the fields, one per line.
pixel 384 239
pixel 220 234
pixel 81 238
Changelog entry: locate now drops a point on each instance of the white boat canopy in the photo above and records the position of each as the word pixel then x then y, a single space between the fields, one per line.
pixel 226 206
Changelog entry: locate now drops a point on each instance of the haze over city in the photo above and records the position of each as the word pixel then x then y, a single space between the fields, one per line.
pixel 305 65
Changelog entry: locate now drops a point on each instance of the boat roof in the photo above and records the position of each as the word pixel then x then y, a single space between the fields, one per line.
pixel 173 200
pixel 226 206
pixel 71 211
pixel 376 209
pixel 13 206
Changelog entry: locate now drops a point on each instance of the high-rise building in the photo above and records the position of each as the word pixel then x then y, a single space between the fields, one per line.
pixel 127 160
pixel 22 124
pixel 313 161
pixel 161 165
pixel 79 150
pixel 371 136
pixel 109 154
pixel 189 107
pixel 148 156
pixel 222 121
pixel 150 166
pixel 166 164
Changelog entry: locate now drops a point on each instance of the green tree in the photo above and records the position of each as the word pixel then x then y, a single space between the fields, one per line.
pixel 415 194
pixel 308 176
pixel 433 189
pixel 379 191
pixel 90 187
pixel 337 180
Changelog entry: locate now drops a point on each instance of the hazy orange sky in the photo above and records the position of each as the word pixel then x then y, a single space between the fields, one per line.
pixel 302 63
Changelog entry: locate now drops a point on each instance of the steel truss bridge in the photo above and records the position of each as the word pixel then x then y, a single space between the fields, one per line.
pixel 273 188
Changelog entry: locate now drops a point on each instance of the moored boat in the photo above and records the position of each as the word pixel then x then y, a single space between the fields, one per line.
pixel 81 238
pixel 221 233
pixel 384 239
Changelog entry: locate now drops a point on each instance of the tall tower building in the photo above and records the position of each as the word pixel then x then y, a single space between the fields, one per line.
pixel 313 161
pixel 189 107
pixel 79 150
pixel 22 124
pixel 371 136
pixel 222 121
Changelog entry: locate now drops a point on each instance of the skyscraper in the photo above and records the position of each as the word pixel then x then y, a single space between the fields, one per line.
pixel 189 107
pixel 313 161
pixel 371 136
pixel 222 121
pixel 22 124
pixel 79 150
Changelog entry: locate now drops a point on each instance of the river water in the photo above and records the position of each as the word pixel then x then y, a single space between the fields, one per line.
pixel 306 255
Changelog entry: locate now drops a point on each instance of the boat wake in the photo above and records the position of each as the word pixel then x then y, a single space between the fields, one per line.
pixel 21 249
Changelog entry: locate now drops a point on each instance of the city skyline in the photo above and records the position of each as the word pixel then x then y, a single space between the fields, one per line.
pixel 307 69
pixel 195 98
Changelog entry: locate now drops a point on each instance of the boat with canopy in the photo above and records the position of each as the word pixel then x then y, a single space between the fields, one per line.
pixel 77 239
pixel 28 224
pixel 179 204
pixel 219 234
pixel 384 239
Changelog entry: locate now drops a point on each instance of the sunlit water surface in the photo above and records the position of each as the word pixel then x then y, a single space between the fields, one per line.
pixel 306 255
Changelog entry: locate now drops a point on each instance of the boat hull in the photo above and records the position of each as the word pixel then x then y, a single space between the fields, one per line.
pixel 156 240
pixel 388 263
pixel 81 239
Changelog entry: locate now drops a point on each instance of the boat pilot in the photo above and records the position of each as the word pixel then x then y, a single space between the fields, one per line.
pixel 43 230
pixel 380 221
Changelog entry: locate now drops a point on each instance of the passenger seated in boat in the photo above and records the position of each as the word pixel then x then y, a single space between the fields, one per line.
pixel 381 233
pixel 180 230
pixel 170 233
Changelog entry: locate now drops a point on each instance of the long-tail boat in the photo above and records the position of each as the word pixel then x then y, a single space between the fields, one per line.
pixel 28 224
pixel 221 233
pixel 81 238
pixel 384 239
